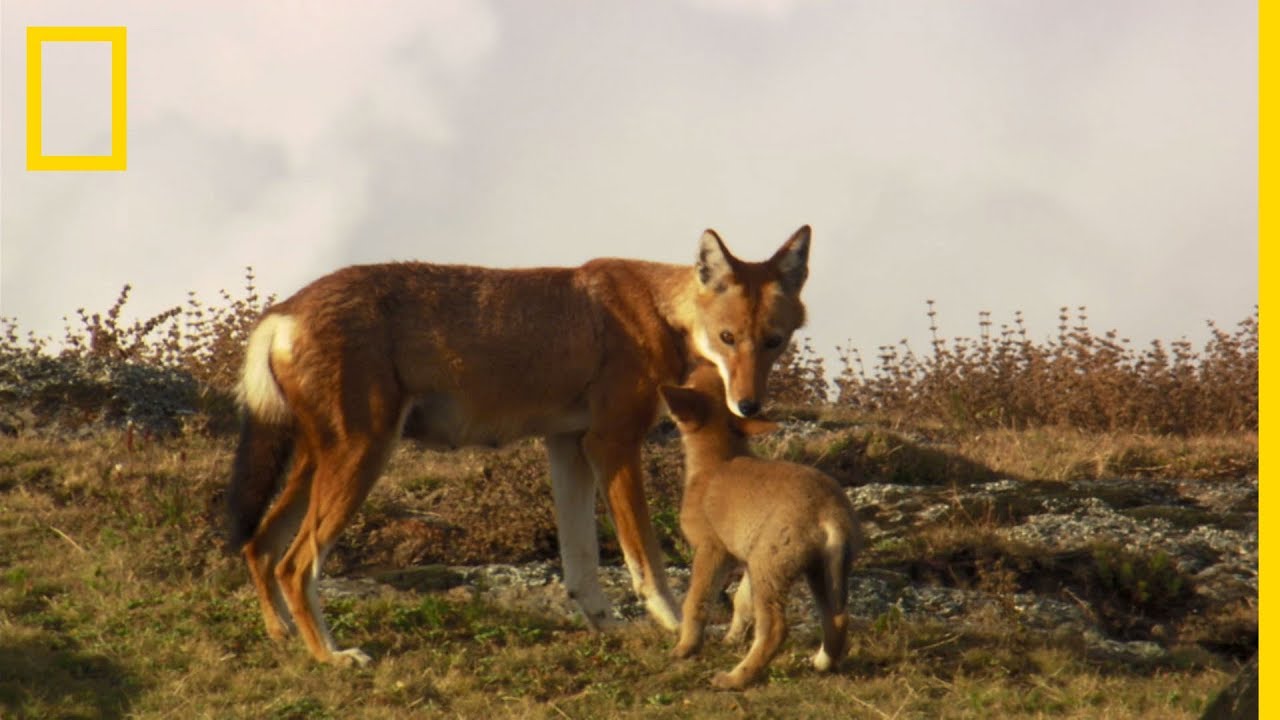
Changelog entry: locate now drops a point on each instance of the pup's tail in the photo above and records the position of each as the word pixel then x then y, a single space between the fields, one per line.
pixel 842 545
pixel 843 540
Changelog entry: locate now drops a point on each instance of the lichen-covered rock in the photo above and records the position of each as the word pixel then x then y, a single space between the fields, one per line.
pixel 1102 565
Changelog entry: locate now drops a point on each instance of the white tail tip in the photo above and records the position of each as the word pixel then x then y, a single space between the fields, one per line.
pixel 272 340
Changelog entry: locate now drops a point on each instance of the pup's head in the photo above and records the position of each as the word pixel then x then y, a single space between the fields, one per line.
pixel 700 412
pixel 746 313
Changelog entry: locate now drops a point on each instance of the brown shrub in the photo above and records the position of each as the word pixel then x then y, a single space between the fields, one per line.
pixel 205 341
pixel 1001 379
pixel 1079 379
pixel 799 377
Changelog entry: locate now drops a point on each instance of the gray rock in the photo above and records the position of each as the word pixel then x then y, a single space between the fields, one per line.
pixel 1207 530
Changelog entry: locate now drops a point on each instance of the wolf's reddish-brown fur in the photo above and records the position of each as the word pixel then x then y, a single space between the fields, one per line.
pixel 454 356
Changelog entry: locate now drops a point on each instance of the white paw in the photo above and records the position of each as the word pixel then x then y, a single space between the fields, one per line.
pixel 351 657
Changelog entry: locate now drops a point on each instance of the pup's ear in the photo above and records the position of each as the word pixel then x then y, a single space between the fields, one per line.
pixel 755 426
pixel 688 407
pixel 715 262
pixel 792 260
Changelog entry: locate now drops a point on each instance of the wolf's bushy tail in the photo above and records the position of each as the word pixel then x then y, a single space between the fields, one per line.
pixel 266 430
pixel 261 457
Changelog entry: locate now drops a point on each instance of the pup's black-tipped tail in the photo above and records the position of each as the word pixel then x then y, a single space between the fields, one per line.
pixel 261 458
pixel 837 563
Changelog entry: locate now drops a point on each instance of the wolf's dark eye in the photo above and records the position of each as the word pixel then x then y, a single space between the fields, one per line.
pixel 773 342
pixel 726 337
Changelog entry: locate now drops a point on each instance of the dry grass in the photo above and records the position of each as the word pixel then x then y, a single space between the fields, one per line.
pixel 116 600
pixel 1065 454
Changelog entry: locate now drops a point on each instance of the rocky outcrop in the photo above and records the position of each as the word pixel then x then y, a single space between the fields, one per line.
pixel 1128 568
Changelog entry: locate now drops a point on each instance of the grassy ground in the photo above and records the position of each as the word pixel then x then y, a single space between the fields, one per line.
pixel 117 599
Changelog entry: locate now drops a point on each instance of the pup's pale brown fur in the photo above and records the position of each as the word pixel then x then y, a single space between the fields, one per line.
pixel 455 355
pixel 779 518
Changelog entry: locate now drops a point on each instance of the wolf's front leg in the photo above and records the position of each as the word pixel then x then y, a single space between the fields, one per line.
pixel 616 463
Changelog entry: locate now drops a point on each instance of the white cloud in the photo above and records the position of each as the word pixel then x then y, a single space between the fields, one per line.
pixel 993 155
pixel 761 8
pixel 245 122
pixel 290 71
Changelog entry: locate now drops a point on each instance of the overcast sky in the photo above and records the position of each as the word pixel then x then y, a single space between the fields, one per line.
pixel 991 155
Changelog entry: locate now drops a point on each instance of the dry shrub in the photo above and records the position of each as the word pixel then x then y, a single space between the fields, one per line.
pixel 1079 379
pixel 799 377
pixel 205 341
pixel 1001 379
pixel 156 373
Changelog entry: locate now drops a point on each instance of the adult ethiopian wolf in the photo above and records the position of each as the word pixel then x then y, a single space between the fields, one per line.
pixel 457 355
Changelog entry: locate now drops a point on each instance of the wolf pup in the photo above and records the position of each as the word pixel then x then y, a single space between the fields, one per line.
pixel 779 518
pixel 455 355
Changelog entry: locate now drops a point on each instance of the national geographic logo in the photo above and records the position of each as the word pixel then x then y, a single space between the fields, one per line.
pixel 36 38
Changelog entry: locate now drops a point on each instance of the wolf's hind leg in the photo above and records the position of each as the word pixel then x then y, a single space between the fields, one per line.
pixel 344 476
pixel 272 539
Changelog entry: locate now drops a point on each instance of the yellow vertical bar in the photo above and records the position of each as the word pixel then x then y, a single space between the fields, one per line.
pixel 1267 622
pixel 119 75
pixel 35 75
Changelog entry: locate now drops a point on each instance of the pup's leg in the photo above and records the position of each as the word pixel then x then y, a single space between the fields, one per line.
pixel 742 611
pixel 768 592
pixel 710 566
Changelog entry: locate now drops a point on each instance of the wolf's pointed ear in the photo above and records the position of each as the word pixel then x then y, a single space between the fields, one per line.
pixel 792 260
pixel 686 406
pixel 715 262
pixel 755 426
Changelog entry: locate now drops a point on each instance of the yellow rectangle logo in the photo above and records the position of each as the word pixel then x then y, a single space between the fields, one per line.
pixel 36 159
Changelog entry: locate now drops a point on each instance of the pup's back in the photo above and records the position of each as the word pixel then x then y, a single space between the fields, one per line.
pixel 761 508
